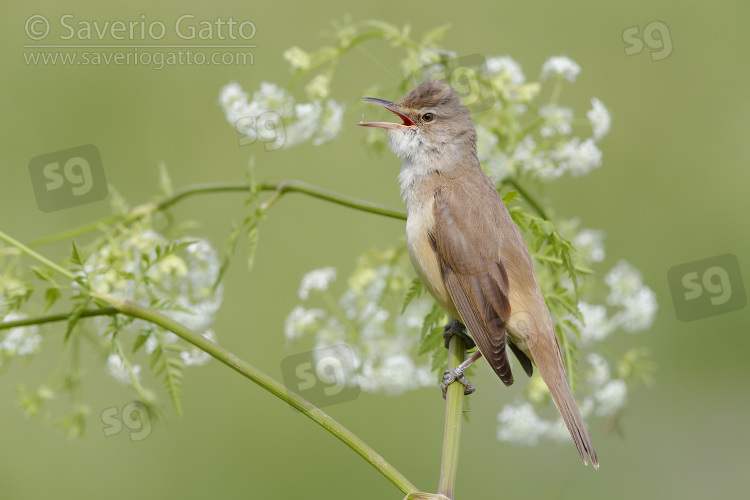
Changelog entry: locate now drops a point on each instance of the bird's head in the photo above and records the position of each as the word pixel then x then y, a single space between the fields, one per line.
pixel 434 123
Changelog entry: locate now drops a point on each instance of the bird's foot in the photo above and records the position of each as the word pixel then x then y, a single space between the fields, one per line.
pixel 457 328
pixel 456 375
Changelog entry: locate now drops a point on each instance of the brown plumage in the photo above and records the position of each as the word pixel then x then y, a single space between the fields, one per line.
pixel 467 250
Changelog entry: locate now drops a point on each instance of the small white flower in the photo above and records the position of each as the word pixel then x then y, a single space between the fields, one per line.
pixel 394 375
pixel 486 143
pixel 595 326
pixel 21 340
pixel 560 65
pixel 589 243
pixel 599 118
pixel 318 279
pixel 117 369
pixel 600 370
pixel 507 65
pixel 531 160
pixel 639 311
pixel 578 158
pixel 624 281
pixel 232 93
pixel 611 397
pixel 331 122
pixel 557 120
pixel 298 59
pixel 318 87
pixel 301 321
pixel 521 425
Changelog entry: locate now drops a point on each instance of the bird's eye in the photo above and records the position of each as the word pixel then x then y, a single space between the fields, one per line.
pixel 428 117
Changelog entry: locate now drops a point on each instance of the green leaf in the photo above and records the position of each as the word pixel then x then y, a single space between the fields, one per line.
pixel 440 361
pixel 415 290
pixel 75 315
pixel 252 240
pixel 43 274
pixel 509 196
pixel 164 251
pixel 431 319
pixel 75 257
pixel 435 35
pixel 433 341
pixel 172 368
pixel 50 297
pixel 165 183
pixel 140 340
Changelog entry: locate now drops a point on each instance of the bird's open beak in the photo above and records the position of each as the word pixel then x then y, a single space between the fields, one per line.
pixel 389 106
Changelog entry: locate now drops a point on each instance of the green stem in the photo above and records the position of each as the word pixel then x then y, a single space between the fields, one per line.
pixel 222 187
pixel 38 257
pixel 40 320
pixel 348 201
pixel 454 402
pixel 528 197
pixel 266 382
pixel 232 361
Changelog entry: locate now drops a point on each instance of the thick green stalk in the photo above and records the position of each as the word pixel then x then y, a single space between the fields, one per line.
pixel 454 403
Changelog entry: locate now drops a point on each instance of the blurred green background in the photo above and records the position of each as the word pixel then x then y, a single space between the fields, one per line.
pixel 672 189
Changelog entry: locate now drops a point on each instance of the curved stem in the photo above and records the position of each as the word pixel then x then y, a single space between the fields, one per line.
pixel 266 382
pixel 221 187
pixel 348 201
pixel 137 311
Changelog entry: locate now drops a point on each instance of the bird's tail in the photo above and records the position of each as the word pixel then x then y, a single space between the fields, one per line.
pixel 549 361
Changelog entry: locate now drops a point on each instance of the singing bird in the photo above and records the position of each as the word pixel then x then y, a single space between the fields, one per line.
pixel 467 250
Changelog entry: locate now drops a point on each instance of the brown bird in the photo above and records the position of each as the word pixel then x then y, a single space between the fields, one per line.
pixel 467 250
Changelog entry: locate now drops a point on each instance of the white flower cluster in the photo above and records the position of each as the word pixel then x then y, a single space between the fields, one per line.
pixel 634 303
pixel 183 281
pixel 18 341
pixel 555 151
pixel 561 66
pixel 273 116
pixel 382 340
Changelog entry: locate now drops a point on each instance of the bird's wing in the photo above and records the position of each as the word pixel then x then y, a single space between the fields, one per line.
pixel 474 274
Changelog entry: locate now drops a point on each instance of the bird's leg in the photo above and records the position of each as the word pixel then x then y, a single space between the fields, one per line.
pixel 457 375
pixel 457 328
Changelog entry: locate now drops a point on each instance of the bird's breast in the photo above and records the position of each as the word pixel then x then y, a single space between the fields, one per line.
pixel 420 224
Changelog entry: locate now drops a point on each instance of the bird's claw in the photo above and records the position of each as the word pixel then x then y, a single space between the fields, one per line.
pixel 456 375
pixel 455 327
